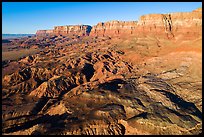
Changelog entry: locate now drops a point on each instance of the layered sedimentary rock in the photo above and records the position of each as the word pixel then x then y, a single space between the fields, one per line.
pixel 44 32
pixel 114 28
pixel 187 23
pixel 162 25
pixel 80 30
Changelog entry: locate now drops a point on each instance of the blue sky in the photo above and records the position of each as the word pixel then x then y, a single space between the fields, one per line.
pixel 28 17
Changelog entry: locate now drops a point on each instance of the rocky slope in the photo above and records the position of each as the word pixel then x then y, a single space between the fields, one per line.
pixel 107 85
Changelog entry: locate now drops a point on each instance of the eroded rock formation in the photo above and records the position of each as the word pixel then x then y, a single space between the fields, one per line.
pixel 154 24
pixel 80 30
pixel 114 28
pixel 109 85
pixel 44 32
pixel 163 25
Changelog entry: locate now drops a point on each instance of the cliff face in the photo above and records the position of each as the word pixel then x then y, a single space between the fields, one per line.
pixel 162 25
pixel 44 32
pixel 75 29
pixel 185 23
pixel 114 28
pixel 80 30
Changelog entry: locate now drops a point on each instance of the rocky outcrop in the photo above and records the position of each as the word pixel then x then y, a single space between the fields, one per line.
pixel 53 87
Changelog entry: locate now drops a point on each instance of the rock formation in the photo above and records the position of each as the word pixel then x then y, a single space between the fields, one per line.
pixel 166 25
pixel 114 28
pixel 169 25
pixel 80 30
pixel 44 32
pixel 140 78
pixel 173 24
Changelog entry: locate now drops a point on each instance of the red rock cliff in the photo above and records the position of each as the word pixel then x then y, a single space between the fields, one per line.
pixel 44 32
pixel 73 29
pixel 185 23
pixel 80 30
pixel 114 28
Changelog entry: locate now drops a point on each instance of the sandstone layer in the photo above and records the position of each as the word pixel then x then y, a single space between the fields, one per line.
pixel 44 32
pixel 80 30
pixel 170 25
pixel 164 25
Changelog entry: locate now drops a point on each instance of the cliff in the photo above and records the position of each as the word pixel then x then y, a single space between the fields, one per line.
pixel 185 23
pixel 44 32
pixel 73 29
pixel 114 28
pixel 162 25
pixel 80 30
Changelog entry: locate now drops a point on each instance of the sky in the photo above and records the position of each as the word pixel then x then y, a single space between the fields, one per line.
pixel 28 17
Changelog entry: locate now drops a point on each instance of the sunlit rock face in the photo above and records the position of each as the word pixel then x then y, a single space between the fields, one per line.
pixel 164 25
pixel 80 30
pixel 44 32
pixel 167 25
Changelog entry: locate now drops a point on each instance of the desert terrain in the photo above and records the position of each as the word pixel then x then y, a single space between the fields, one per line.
pixel 115 78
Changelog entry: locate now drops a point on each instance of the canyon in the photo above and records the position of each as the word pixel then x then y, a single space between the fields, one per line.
pixel 115 78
